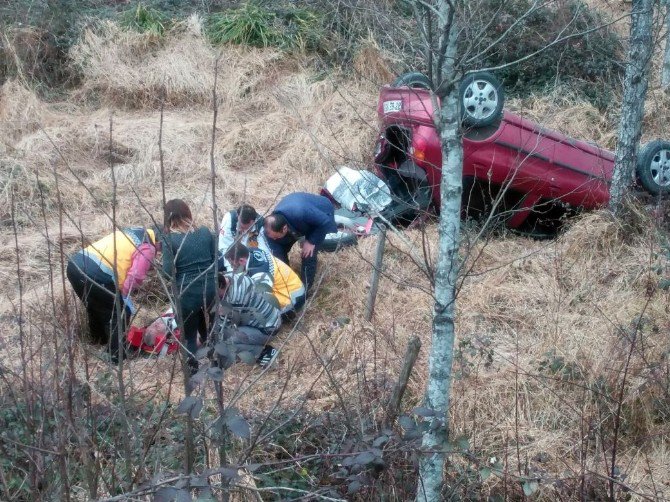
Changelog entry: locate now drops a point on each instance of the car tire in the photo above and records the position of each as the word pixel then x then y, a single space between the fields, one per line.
pixel 338 240
pixel 415 80
pixel 653 167
pixel 482 98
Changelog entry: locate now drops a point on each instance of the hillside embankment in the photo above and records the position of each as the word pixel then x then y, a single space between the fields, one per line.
pixel 562 345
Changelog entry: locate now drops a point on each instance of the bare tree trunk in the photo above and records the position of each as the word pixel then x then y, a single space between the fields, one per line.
pixel 393 407
pixel 634 93
pixel 665 73
pixel 447 121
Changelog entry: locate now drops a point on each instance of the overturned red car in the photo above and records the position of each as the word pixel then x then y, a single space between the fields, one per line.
pixel 513 169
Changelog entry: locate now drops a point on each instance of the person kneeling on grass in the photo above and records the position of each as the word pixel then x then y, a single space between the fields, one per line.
pixel 256 320
pixel 104 274
pixel 269 274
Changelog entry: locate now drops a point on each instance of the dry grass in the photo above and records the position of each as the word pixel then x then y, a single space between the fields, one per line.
pixel 564 112
pixel 281 129
pixel 21 112
pixel 656 108
pixel 572 297
pixel 371 65
pixel 131 70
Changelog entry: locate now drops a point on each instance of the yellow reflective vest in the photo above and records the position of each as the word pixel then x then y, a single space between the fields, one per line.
pixel 287 284
pixel 127 242
pixel 267 270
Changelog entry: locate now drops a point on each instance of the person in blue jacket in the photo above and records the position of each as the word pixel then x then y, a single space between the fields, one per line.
pixel 298 215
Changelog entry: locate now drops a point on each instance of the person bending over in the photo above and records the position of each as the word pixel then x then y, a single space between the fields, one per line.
pixel 296 215
pixel 104 274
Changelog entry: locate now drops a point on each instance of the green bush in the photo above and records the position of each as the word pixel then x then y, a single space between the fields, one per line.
pixel 144 19
pixel 262 26
pixel 249 25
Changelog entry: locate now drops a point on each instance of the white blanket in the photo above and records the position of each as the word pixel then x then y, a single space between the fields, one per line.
pixel 358 190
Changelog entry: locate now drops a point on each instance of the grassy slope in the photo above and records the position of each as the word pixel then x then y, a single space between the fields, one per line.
pixel 280 129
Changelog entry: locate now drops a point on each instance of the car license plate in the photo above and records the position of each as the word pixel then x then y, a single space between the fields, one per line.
pixel 392 106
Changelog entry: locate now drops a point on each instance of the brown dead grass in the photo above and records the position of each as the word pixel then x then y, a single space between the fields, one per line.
pixel 281 129
pixel 573 117
pixel 131 70
pixel 572 297
pixel 20 112
pixel 370 64
pixel 657 107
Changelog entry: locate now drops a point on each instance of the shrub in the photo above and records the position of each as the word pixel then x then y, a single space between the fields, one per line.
pixel 34 48
pixel 579 61
pixel 144 20
pixel 352 23
pixel 263 26
pixel 249 24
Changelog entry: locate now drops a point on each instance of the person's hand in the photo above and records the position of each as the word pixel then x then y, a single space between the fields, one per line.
pixel 307 249
pixel 129 305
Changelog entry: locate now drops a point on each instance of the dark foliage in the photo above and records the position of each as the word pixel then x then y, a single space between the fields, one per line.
pixel 588 62
pixel 335 31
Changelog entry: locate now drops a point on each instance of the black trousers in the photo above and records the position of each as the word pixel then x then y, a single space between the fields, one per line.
pixel 101 298
pixel 197 316
pixel 280 249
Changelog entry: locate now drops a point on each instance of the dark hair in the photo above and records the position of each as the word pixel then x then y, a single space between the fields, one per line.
pixel 237 251
pixel 176 213
pixel 246 214
pixel 221 280
pixel 276 222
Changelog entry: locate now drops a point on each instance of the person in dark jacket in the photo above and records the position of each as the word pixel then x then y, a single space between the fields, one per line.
pixel 188 260
pixel 296 215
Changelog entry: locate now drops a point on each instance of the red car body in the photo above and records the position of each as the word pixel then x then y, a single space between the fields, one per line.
pixel 540 166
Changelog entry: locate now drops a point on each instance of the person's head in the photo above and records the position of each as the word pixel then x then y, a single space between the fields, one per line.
pixel 276 226
pixel 177 216
pixel 246 217
pixel 238 255
pixel 153 331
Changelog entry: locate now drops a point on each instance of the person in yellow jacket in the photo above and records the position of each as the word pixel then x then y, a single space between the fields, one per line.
pixel 271 274
pixel 104 274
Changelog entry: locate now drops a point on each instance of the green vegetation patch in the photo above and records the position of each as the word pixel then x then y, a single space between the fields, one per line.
pixel 258 25
pixel 144 19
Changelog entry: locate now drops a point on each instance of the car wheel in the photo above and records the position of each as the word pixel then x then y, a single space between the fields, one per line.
pixel 653 167
pixel 415 80
pixel 482 98
pixel 338 240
